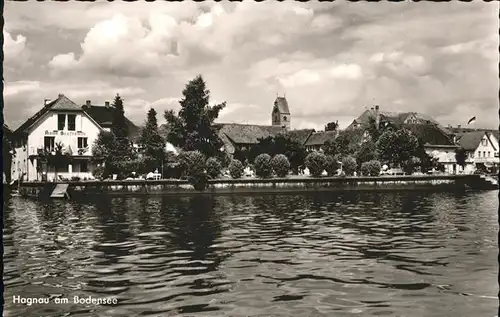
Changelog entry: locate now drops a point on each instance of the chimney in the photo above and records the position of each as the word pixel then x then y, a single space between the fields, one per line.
pixel 46 101
pixel 60 95
pixel 459 126
pixel 106 104
pixel 87 103
pixel 377 116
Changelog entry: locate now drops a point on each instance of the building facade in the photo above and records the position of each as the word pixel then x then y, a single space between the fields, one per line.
pixel 61 123
pixel 482 150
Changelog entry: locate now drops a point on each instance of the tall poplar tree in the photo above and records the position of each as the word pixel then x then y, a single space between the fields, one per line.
pixel 192 128
pixel 120 130
pixel 151 143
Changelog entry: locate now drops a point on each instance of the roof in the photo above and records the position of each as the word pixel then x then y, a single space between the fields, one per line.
pixel 397 118
pixel 247 133
pixel 469 141
pixel 319 138
pixel 282 105
pixel 429 134
pixel 300 136
pixel 103 115
pixel 459 131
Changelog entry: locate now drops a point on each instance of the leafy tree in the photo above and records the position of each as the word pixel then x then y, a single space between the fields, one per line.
pixel 346 143
pixel 262 165
pixel 332 165
pixel 192 128
pixel 461 156
pixel 152 144
pixel 103 153
pixel 349 165
pixel 371 168
pixel 280 165
pixel 214 167
pixel 280 144
pixel 193 164
pixel 366 152
pixel 236 169
pixel 57 158
pixel 315 162
pixel 397 147
pixel 332 126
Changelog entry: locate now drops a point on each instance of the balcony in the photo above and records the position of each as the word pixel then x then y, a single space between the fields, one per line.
pixel 490 159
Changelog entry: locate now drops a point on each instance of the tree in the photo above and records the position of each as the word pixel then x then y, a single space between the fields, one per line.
pixel 461 157
pixel 280 144
pixel 332 126
pixel 120 130
pixel 346 143
pixel 192 128
pixel 103 153
pixel 56 158
pixel 366 152
pixel 152 144
pixel 397 147
pixel 315 162
pixel 280 165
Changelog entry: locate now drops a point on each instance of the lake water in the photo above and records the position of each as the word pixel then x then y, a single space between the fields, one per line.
pixel 335 254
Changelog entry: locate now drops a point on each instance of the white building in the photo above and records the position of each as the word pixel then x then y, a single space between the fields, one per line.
pixel 60 121
pixel 481 148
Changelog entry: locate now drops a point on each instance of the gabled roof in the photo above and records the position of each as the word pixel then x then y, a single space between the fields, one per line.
pixel 247 133
pixel 469 141
pixel 459 131
pixel 282 105
pixel 319 138
pixel 429 134
pixel 103 115
pixel 299 136
pixel 397 118
pixel 61 103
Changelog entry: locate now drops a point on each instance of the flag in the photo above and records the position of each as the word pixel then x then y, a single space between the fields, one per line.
pixel 471 120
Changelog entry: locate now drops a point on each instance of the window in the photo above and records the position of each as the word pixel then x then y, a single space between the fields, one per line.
pixel 472 155
pixel 284 118
pixel 49 143
pixel 71 122
pixel 488 153
pixel 484 153
pixel 82 143
pixel 84 167
pixel 61 121
pixel 484 141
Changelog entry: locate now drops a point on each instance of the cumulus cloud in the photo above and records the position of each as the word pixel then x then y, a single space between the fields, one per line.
pixel 301 69
pixel 23 99
pixel 15 51
pixel 331 60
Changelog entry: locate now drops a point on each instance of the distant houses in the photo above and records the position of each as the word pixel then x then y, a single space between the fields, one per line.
pixel 62 121
pixel 481 148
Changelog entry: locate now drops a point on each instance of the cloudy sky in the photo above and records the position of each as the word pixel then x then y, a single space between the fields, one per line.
pixel 332 61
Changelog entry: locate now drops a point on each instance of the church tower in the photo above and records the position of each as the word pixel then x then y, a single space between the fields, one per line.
pixel 281 113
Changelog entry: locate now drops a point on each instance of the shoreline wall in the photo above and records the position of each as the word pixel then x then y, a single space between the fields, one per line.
pixel 272 185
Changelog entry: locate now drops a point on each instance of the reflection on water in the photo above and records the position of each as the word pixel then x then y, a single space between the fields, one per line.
pixel 365 254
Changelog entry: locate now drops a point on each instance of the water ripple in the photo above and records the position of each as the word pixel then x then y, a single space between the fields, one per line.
pixel 369 254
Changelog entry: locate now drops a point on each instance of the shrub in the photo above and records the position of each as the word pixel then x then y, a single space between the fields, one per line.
pixel 214 167
pixel 280 165
pixel 315 162
pixel 192 163
pixel 331 165
pixel 98 172
pixel 349 165
pixel 236 169
pixel 262 165
pixel 371 168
